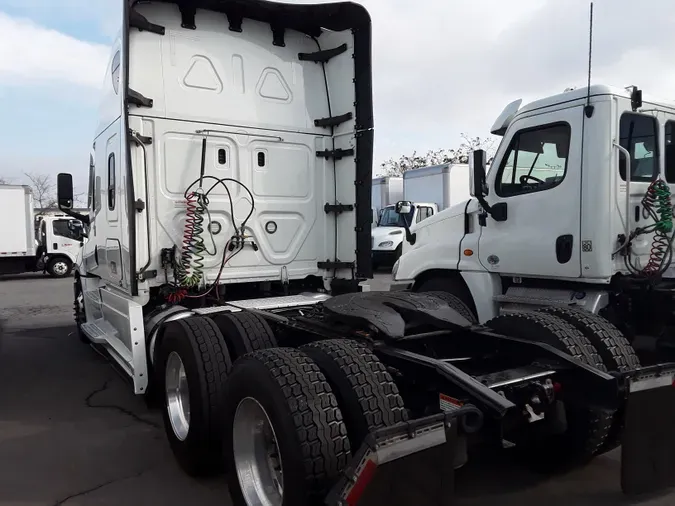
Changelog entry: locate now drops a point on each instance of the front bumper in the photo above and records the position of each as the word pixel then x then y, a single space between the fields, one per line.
pixel 384 256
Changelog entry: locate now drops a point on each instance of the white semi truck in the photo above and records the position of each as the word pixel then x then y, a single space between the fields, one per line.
pixel 228 237
pixel 430 190
pixel 28 243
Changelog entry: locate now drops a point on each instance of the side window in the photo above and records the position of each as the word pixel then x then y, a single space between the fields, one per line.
pixel 670 152
pixel 535 161
pixel 91 195
pixel 111 181
pixel 423 213
pixel 638 136
pixel 115 72
pixel 97 195
pixel 60 228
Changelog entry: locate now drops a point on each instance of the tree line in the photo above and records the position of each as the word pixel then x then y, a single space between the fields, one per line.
pixel 44 190
pixel 397 166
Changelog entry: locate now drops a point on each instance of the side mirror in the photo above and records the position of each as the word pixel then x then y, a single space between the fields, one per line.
pixel 65 198
pixel 64 191
pixel 403 207
pixel 477 173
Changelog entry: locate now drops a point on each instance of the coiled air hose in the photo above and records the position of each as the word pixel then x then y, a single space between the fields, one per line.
pixel 656 204
pixel 191 266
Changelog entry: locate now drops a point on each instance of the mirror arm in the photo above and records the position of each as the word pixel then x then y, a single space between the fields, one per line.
pixel 82 217
pixel 409 236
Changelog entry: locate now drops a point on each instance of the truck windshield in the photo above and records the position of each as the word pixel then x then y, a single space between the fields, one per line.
pixel 390 218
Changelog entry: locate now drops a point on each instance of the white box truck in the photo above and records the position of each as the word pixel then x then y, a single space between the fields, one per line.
pixel 430 189
pixel 48 243
pixel 387 190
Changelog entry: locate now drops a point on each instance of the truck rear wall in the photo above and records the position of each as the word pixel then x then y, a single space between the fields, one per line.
pixel 16 221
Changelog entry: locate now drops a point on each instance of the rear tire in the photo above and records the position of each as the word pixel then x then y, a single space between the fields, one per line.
pixel 365 391
pixel 245 332
pixel 193 415
pixel 614 349
pixel 452 287
pixel 587 429
pixel 310 439
pixel 59 267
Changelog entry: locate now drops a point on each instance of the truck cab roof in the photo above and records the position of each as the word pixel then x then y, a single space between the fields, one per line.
pixel 513 110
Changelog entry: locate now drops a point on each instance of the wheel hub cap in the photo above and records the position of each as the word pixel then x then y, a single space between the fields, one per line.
pixel 60 268
pixel 177 396
pixel 256 455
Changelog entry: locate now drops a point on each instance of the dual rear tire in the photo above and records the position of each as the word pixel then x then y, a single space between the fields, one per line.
pixel 288 419
pixel 594 341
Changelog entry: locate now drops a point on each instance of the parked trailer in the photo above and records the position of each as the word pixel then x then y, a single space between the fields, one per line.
pixel 30 244
pixel 240 307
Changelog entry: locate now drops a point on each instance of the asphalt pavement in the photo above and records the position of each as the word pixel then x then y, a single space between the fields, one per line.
pixel 73 433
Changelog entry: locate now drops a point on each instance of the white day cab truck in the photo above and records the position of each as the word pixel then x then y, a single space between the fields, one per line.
pixel 49 243
pixel 228 237
pixel 429 190
pixel 387 191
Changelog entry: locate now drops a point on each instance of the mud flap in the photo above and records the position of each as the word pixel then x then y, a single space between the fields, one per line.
pixel 648 439
pixel 410 463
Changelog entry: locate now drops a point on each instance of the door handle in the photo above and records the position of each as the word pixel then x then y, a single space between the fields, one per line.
pixel 564 245
pixel 56 245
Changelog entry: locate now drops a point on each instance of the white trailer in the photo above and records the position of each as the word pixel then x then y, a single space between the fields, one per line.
pixel 29 243
pixel 429 190
pixel 442 185
pixel 387 190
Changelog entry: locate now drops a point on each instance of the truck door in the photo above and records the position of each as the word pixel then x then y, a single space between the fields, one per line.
pixel 63 239
pixel 537 174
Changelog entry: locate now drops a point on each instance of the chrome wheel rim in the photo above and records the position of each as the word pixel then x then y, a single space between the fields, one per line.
pixel 177 396
pixel 60 268
pixel 256 455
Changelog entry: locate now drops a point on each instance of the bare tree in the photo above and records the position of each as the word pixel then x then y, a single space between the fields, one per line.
pixel 44 190
pixel 396 167
pixel 5 180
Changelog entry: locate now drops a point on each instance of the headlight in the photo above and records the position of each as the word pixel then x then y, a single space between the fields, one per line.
pixel 385 244
pixel 394 269
pixel 396 232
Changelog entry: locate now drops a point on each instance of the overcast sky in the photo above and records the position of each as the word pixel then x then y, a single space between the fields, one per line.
pixel 441 67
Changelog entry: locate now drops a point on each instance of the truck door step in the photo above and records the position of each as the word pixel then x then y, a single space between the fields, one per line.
pixel 388 312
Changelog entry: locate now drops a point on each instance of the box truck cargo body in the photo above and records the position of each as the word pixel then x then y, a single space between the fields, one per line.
pixel 386 191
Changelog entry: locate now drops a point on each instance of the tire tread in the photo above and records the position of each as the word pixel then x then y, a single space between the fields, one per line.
pixel 316 415
pixel 372 387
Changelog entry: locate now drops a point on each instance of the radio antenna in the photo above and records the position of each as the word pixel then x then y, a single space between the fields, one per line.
pixel 588 110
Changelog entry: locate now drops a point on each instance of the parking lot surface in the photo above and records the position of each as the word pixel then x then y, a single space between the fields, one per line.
pixel 72 432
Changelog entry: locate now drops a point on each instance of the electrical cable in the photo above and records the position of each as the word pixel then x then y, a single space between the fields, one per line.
pixel 188 271
pixel 657 206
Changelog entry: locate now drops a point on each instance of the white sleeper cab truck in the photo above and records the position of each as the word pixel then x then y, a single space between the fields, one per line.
pixel 50 243
pixel 430 190
pixel 387 190
pixel 228 234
